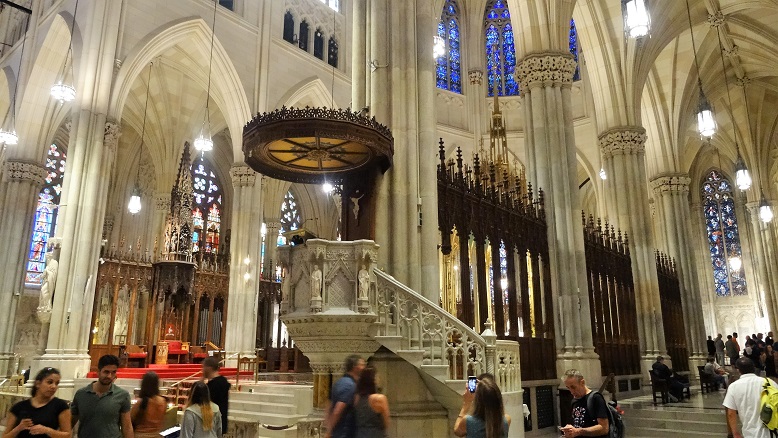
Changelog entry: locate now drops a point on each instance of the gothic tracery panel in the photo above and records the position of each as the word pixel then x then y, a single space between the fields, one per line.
pixel 207 207
pixel 448 70
pixel 500 50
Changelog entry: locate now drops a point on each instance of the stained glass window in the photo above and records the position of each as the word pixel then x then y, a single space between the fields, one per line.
pixel 289 27
pixel 303 39
pixel 332 52
pixel 318 44
pixel 45 223
pixel 574 49
pixel 207 207
pixel 500 50
pixel 723 235
pixel 448 69
pixel 334 4
pixel 290 216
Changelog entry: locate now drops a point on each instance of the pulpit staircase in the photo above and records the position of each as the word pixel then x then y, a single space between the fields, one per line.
pixel 441 347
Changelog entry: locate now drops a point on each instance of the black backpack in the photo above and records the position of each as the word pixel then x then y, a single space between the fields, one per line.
pixel 615 422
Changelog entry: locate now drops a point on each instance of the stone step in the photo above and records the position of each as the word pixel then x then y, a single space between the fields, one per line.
pixel 263 407
pixel 393 343
pixel 414 357
pixel 272 419
pixel 286 433
pixel 647 432
pixel 439 372
pixel 670 414
pixel 269 397
pixel 691 424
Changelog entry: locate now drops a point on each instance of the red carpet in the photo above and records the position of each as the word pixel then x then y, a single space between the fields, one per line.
pixel 171 372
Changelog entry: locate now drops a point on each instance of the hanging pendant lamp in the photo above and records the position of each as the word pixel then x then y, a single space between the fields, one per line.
pixel 637 20
pixel 134 206
pixel 706 123
pixel 204 143
pixel 62 91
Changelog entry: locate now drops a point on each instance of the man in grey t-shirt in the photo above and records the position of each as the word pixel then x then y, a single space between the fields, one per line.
pixel 101 408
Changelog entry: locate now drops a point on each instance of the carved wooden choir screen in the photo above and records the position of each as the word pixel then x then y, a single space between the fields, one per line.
pixel 672 312
pixel 495 257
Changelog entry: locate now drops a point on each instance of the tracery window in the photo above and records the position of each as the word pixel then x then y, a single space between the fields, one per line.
pixel 303 39
pixel 723 235
pixel 318 44
pixel 332 53
pixel 334 4
pixel 45 223
pixel 574 49
pixel 290 216
pixel 289 27
pixel 207 207
pixel 500 50
pixel 448 68
pixel 229 4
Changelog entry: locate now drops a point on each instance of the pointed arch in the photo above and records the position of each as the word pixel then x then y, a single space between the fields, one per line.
pixel 308 92
pixel 500 50
pixel 448 70
pixel 226 88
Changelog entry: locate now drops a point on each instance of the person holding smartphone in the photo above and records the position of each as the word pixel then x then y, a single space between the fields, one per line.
pixel 43 415
pixel 482 414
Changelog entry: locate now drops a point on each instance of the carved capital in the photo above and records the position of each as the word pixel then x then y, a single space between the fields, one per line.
pixel 20 171
pixel 162 201
pixel 476 76
pixel 734 51
pixel 624 140
pixel 671 184
pixel 111 135
pixel 547 69
pixel 742 82
pixel 243 176
pixel 717 19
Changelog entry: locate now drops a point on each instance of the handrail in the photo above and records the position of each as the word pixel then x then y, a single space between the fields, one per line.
pixel 198 372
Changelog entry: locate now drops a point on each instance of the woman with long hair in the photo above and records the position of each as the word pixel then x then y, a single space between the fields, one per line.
pixel 482 414
pixel 148 413
pixel 371 409
pixel 202 418
pixel 42 415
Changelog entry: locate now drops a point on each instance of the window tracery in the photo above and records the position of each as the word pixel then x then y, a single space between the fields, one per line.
pixel 573 40
pixel 500 50
pixel 448 67
pixel 290 216
pixel 207 207
pixel 45 223
pixel 723 234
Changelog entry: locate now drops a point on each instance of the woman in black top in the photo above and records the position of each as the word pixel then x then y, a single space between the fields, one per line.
pixel 43 415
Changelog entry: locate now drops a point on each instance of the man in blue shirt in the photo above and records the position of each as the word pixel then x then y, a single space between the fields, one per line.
pixel 340 421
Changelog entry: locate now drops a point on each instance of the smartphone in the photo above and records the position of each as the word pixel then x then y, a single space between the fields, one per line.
pixel 471 382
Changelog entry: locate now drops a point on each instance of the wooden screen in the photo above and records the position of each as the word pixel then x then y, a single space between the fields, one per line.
pixel 495 257
pixel 612 299
pixel 672 312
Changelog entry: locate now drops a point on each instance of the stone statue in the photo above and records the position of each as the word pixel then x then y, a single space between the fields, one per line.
pixel 355 201
pixel 316 282
pixel 364 282
pixel 49 281
pixel 284 286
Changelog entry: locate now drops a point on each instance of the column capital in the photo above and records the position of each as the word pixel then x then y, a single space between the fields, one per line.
pixel 242 176
pixel 677 183
pixel 546 69
pixel 111 134
pixel 29 171
pixel 161 201
pixel 623 140
pixel 272 224
pixel 476 76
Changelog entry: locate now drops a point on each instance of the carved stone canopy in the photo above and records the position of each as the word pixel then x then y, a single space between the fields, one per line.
pixel 314 145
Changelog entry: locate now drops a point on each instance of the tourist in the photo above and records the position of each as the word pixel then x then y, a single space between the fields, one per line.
pixel 370 408
pixel 769 339
pixel 340 418
pixel 733 353
pixel 101 408
pixel 768 359
pixel 482 414
pixel 737 343
pixel 148 413
pixel 674 381
pixel 218 386
pixel 42 414
pixel 753 353
pixel 715 372
pixel 719 344
pixel 743 400
pixel 585 423
pixel 202 418
pixel 711 346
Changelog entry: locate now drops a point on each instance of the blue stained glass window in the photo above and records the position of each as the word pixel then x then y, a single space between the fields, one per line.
pixel 500 50
pixel 574 49
pixel 723 235
pixel 45 221
pixel 448 70
pixel 207 207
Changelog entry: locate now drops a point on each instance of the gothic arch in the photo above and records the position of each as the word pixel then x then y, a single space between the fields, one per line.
pixel 308 92
pixel 227 89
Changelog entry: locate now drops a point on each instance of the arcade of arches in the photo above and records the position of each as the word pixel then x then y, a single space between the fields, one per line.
pixel 550 92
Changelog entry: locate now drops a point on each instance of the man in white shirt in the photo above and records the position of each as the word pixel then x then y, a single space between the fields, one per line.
pixel 743 399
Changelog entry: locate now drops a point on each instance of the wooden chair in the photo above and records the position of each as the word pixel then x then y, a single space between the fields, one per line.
pixel 659 386
pixel 707 382
pixel 136 355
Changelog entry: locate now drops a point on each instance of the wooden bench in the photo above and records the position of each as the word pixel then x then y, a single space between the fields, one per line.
pixel 659 386
pixel 707 381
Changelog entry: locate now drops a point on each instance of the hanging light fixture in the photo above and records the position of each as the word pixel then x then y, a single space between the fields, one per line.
pixel 765 210
pixel 204 143
pixel 9 137
pixel 742 177
pixel 637 20
pixel 135 205
pixel 438 47
pixel 706 123
pixel 62 91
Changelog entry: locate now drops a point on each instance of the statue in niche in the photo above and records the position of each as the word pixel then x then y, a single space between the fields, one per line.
pixel 49 281
pixel 364 282
pixel 316 277
pixel 284 285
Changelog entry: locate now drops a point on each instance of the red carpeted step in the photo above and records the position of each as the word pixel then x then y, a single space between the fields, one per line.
pixel 170 371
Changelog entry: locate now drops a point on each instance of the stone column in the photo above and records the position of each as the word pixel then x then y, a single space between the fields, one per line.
pixel 701 267
pixel 546 80
pixel 674 231
pixel 763 258
pixel 359 55
pixel 245 242
pixel 271 246
pixel 22 181
pixel 623 151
